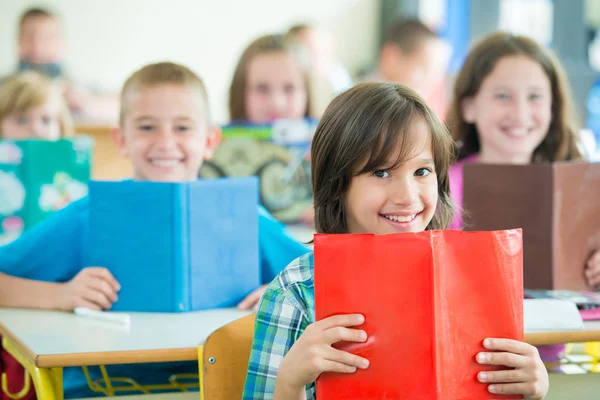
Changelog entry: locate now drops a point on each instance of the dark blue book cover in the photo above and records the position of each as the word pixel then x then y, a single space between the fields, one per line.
pixel 177 246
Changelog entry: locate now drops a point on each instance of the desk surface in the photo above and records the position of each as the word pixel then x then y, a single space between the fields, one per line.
pixel 60 339
pixel 590 333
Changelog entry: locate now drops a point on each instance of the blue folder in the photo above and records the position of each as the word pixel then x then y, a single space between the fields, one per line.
pixel 177 247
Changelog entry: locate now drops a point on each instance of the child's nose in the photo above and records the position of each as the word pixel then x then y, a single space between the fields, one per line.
pixel 522 112
pixel 39 130
pixel 166 138
pixel 405 192
pixel 278 100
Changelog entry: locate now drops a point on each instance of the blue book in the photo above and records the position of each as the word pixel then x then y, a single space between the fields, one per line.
pixel 177 247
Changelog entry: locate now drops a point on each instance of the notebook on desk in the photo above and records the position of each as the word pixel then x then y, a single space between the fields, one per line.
pixel 177 246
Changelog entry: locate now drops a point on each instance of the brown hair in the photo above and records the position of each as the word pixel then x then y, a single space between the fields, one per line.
pixel 30 89
pixel 163 73
pixel 409 35
pixel 262 45
pixel 35 13
pixel 560 144
pixel 369 120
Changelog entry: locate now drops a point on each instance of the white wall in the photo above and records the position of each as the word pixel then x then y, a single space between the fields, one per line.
pixel 109 39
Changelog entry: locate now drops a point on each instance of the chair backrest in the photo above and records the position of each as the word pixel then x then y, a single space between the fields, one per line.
pixel 225 359
pixel 108 164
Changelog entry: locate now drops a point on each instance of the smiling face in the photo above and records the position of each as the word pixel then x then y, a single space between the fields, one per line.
pixel 512 111
pixel 275 88
pixel 402 199
pixel 166 133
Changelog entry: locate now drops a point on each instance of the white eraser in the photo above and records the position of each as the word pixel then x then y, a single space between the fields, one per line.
pixel 123 319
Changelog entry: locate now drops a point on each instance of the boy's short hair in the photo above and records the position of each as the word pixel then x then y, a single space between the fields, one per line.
pixel 163 73
pixel 409 35
pixel 30 89
pixel 35 12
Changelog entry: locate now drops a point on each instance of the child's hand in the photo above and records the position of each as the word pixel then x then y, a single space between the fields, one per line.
pixel 92 287
pixel 251 301
pixel 526 375
pixel 312 354
pixel 592 270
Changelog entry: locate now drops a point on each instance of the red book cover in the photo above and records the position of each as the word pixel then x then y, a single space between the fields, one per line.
pixel 429 300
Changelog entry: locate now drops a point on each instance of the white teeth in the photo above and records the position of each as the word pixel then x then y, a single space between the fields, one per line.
pixel 400 218
pixel 164 163
pixel 517 132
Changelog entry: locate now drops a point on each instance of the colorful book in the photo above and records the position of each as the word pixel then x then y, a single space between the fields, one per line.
pixel 429 300
pixel 277 154
pixel 177 247
pixel 39 177
pixel 556 205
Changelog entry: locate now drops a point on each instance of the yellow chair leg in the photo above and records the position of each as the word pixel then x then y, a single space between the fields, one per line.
pixel 48 382
pixel 201 370
pixel 20 394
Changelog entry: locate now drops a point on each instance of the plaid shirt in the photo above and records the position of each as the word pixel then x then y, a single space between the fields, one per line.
pixel 286 309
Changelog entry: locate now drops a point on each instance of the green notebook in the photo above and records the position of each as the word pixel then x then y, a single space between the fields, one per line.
pixel 39 177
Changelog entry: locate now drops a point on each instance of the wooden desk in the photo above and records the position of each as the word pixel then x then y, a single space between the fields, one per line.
pixel 108 164
pixel 590 333
pixel 46 341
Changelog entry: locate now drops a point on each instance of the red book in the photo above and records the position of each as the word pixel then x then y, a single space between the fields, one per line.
pixel 429 299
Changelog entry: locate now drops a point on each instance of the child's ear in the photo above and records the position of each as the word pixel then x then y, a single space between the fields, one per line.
pixel 213 139
pixel 118 138
pixel 467 108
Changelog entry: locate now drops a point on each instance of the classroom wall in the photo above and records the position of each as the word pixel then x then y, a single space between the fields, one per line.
pixel 109 39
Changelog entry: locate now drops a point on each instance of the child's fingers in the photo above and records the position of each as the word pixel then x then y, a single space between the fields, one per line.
pixel 506 376
pixel 103 287
pixel 98 298
pixel 340 320
pixel 333 366
pixel 525 389
pixel 88 304
pixel 595 280
pixel 342 334
pixel 505 359
pixel 510 346
pixel 346 358
pixel 104 273
pixel 594 261
pixel 249 301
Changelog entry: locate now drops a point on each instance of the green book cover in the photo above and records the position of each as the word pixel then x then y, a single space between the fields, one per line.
pixel 39 177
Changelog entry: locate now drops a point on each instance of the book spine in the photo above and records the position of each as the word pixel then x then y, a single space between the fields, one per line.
pixel 436 315
pixel 180 234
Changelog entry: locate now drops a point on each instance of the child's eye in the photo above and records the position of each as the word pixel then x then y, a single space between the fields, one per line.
pixel 289 89
pixel 146 128
pixel 381 174
pixel 22 120
pixel 182 128
pixel 46 120
pixel 422 172
pixel 502 96
pixel 535 96
pixel 262 88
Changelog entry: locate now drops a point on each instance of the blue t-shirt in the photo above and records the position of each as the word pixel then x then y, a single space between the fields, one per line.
pixel 54 251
